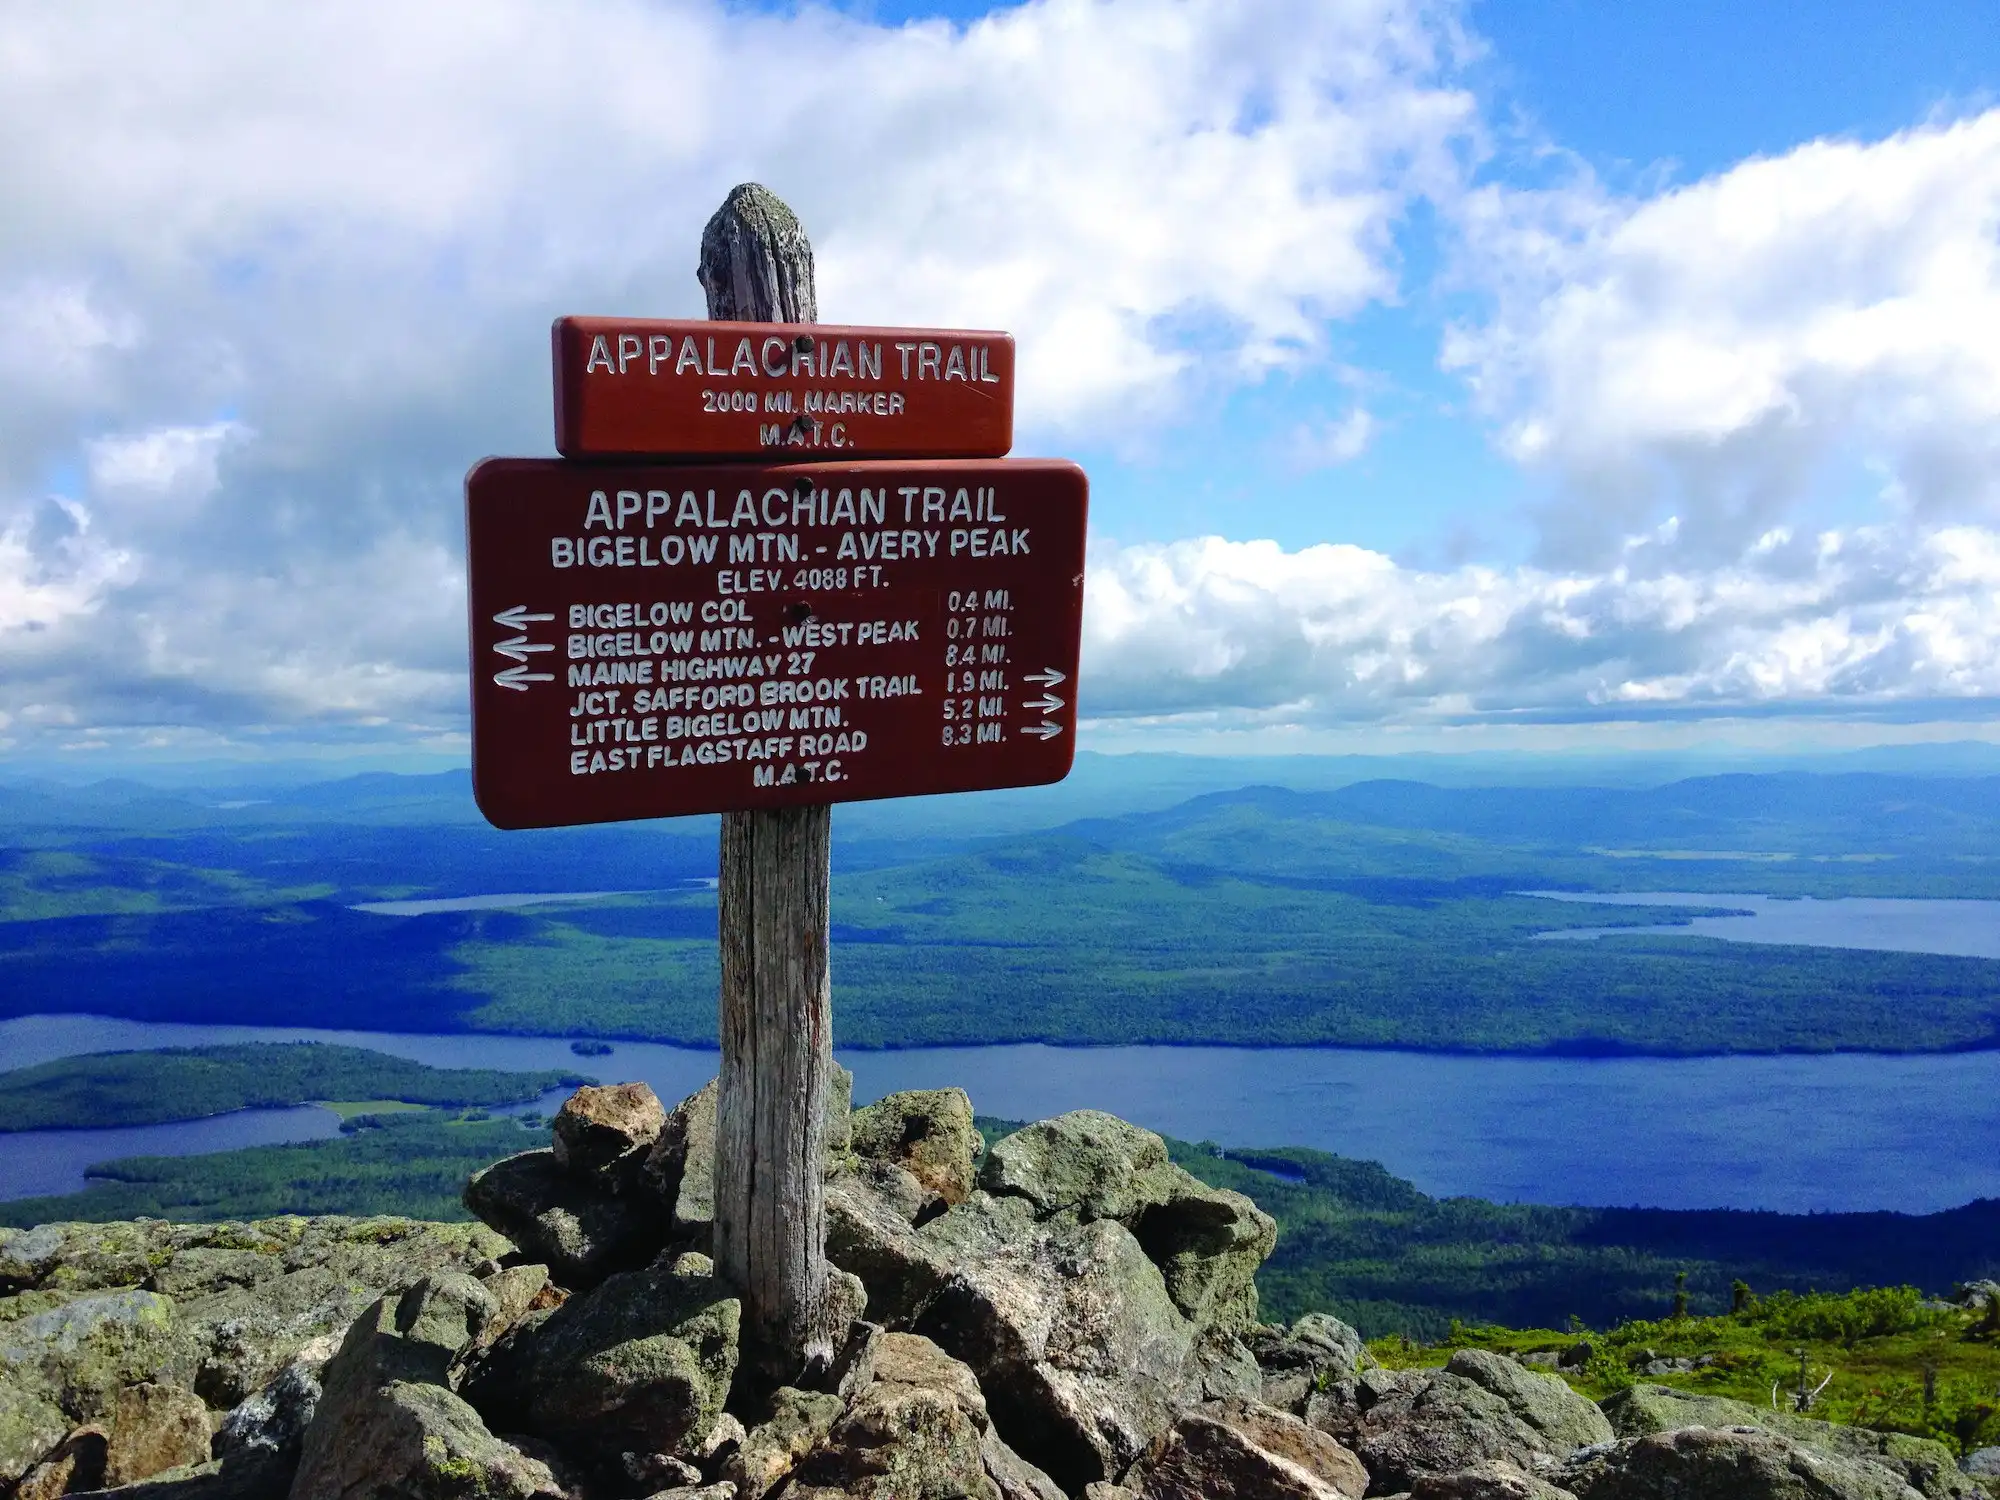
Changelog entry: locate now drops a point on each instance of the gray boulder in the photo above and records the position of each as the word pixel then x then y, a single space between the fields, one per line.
pixel 1984 1462
pixel 386 1423
pixel 1314 1352
pixel 230 1345
pixel 154 1428
pixel 643 1361
pixel 1208 1242
pixel 1925 1465
pixel 271 1423
pixel 602 1135
pixel 581 1235
pixel 1287 1437
pixel 1204 1459
pixel 414 1439
pixel 918 1431
pixel 1488 1481
pixel 320 1275
pixel 76 1464
pixel 65 1365
pixel 1081 1353
pixel 799 1421
pixel 926 1132
pixel 1088 1162
pixel 680 1169
pixel 31 1423
pixel 1723 1463
pixel 869 1234
pixel 1480 1407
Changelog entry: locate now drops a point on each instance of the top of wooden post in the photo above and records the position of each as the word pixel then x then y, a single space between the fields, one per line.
pixel 756 262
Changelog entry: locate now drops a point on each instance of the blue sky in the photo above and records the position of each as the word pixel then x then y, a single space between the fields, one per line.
pixel 1552 375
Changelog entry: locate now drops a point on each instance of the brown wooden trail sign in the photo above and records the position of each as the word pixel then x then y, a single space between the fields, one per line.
pixel 656 641
pixel 601 569
pixel 633 386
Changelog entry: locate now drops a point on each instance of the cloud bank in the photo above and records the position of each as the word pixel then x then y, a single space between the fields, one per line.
pixel 271 278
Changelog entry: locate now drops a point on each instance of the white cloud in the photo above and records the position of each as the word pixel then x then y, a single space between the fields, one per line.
pixel 178 462
pixel 1873 619
pixel 348 224
pixel 54 571
pixel 1730 349
pixel 1326 444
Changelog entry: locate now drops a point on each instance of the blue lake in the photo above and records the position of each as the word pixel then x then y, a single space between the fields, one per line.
pixel 1797 1134
pixel 1970 929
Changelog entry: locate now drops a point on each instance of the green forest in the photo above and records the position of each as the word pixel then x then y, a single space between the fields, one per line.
pixel 1386 913
pixel 188 1083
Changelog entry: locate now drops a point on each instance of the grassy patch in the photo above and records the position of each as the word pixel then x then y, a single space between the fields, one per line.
pixel 1885 1358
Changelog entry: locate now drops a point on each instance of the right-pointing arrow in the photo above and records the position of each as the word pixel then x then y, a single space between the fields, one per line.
pixel 1048 703
pixel 1047 677
pixel 1044 730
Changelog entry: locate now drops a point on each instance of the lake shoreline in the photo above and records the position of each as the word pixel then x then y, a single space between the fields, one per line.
pixel 1580 1049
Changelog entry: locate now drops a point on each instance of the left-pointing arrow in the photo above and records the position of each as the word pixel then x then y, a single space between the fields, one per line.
pixel 518 678
pixel 518 617
pixel 519 647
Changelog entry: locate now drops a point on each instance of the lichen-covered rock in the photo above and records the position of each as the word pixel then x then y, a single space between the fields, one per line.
pixel 644 1360
pixel 680 1169
pixel 916 1432
pixel 1204 1459
pixel 1925 1465
pixel 30 1425
pixel 411 1439
pixel 868 1234
pixel 77 1463
pixel 769 1451
pixel 602 1135
pixel 1315 1351
pixel 154 1428
pixel 926 1132
pixel 419 1334
pixel 75 1357
pixel 1723 1463
pixel 1012 1475
pixel 1290 1438
pixel 1480 1407
pixel 1488 1481
pixel 580 1234
pixel 1208 1243
pixel 1082 1355
pixel 1086 1161
pixel 324 1273
pixel 387 1425
pixel 272 1422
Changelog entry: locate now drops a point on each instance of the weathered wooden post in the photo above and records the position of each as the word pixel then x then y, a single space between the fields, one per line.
pixel 776 1020
pixel 773 570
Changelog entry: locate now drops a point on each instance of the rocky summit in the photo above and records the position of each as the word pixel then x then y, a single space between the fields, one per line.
pixel 1068 1314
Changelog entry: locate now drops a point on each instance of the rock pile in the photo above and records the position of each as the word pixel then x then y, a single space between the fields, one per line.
pixel 1068 1314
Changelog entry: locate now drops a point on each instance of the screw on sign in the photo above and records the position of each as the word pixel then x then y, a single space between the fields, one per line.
pixel 659 640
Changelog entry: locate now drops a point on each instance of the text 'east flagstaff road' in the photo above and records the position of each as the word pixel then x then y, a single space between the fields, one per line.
pixel 634 387
pixel 656 640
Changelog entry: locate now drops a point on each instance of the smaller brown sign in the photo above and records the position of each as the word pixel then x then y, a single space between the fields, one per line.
pixel 638 387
